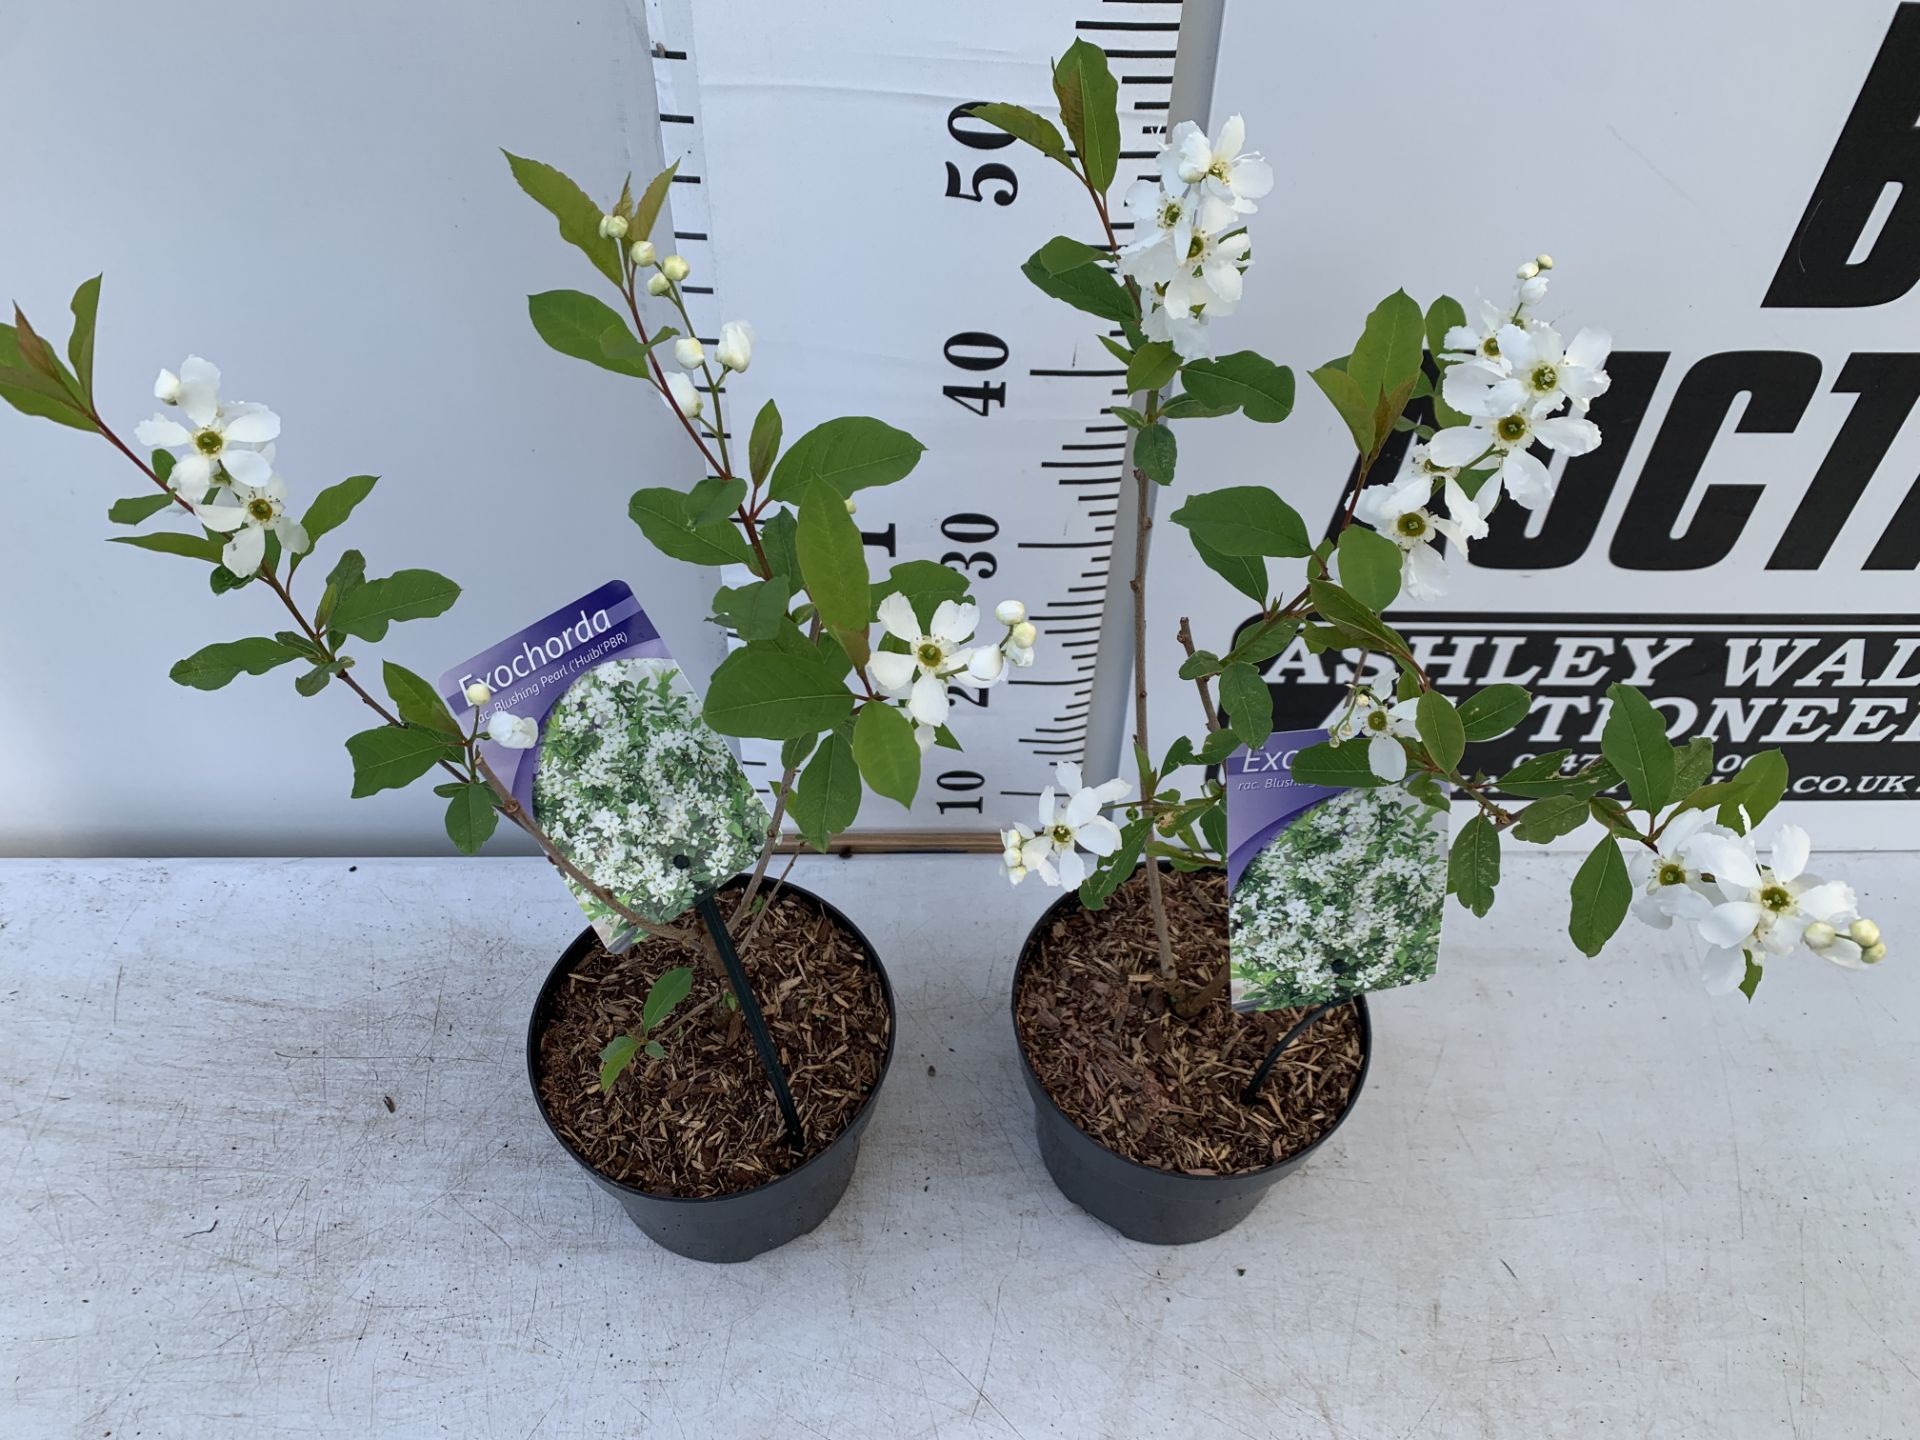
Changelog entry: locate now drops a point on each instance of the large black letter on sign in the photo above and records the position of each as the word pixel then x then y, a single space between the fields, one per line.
pixel 1878 146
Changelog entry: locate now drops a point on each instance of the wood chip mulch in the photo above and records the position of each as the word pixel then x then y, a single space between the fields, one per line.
pixel 1164 1091
pixel 703 1121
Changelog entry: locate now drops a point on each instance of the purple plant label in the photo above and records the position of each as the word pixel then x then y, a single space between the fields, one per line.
pixel 624 776
pixel 1331 891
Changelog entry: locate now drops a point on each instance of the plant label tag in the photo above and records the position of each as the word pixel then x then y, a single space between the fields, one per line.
pixel 1330 891
pixel 625 777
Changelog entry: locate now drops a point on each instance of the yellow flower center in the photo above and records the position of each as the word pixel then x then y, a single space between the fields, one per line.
pixel 929 654
pixel 1490 346
pixel 208 442
pixel 1777 899
pixel 1511 428
pixel 1545 377
pixel 1672 874
pixel 259 510
pixel 1062 835
pixel 1413 524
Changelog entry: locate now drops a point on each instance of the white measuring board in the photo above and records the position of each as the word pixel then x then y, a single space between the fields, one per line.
pixel 830 194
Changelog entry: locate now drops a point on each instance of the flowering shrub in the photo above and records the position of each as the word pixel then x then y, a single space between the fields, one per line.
pixel 1474 399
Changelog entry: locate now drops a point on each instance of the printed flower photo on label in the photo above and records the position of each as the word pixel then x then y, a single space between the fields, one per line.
pixel 1345 899
pixel 639 793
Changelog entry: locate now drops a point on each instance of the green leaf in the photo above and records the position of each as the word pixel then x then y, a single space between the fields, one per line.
pixel 1245 520
pixel 1114 870
pixel 136 508
pixel 1023 124
pixel 169 542
pixel 1542 775
pixel 713 499
pixel 217 665
pixel 1473 866
pixel 1062 253
pixel 1330 764
pixel 1750 980
pixel 1547 820
pixel 1263 639
pixel 1440 729
pixel 1494 711
pixel 615 1058
pixel 1153 365
pixel 794 750
pixel 886 752
pixel 1369 566
pixel 777 535
pixel 1199 665
pixel 1089 109
pixel 332 506
pixel 1246 573
pixel 646 214
pixel 389 756
pixel 669 990
pixel 315 680
pixel 826 799
pixel 579 217
pixel 1634 740
pixel 764 444
pixel 756 610
pixel 925 583
pixel 1248 703
pixel 302 646
pixel 1354 407
pixel 849 454
pixel 1601 895
pixel 1756 788
pixel 1245 381
pixel 417 701
pixel 1128 416
pixel 1353 619
pixel 1217 746
pixel 771 694
pixel 1089 287
pixel 661 514
pixel 1191 407
pixel 1155 453
pixel 1388 353
pixel 370 607
pixel 1692 764
pixel 86 308
pixel 832 560
pixel 471 816
pixel 1443 315
pixel 574 324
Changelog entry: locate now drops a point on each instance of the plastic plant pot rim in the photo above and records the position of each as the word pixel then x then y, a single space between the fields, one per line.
pixel 584 943
pixel 1071 900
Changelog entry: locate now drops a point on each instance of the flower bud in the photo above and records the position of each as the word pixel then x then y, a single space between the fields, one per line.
pixel 1865 933
pixel 674 267
pixel 1528 270
pixel 1819 935
pixel 166 389
pixel 642 252
pixel 658 284
pixel 1874 953
pixel 986 664
pixel 1024 634
pixel 479 693
pixel 685 394
pixel 852 509
pixel 689 353
pixel 1545 262
pixel 516 732
pixel 1011 856
pixel 1010 612
pixel 736 344
pixel 613 227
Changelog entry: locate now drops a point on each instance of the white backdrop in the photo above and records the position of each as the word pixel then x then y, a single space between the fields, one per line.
pixel 314 198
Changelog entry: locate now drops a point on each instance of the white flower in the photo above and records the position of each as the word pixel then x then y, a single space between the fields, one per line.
pixel 921 674
pixel 1162 233
pixel 925 736
pixel 1671 881
pixel 255 510
pixel 613 227
pixel 689 353
pixel 1399 511
pixel 675 268
pixel 684 394
pixel 736 345
pixel 1763 907
pixel 1384 726
pixel 1532 367
pixel 1072 821
pixel 1507 437
pixel 224 438
pixel 1010 612
pixel 658 284
pixel 642 253
pixel 516 732
pixel 479 693
pixel 1219 168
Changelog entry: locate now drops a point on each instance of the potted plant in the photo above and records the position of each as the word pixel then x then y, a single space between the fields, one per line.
pixel 723 1127
pixel 1159 1109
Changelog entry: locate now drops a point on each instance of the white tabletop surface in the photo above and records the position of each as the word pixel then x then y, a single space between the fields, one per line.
pixel 1579 1198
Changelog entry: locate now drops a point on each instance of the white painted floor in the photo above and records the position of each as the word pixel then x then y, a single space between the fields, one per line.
pixel 1578 1199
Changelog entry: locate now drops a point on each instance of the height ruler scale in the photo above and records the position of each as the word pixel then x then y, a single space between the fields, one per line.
pixel 832 192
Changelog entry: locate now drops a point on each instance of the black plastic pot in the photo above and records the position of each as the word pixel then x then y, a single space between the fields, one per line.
pixel 1157 1207
pixel 728 1228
